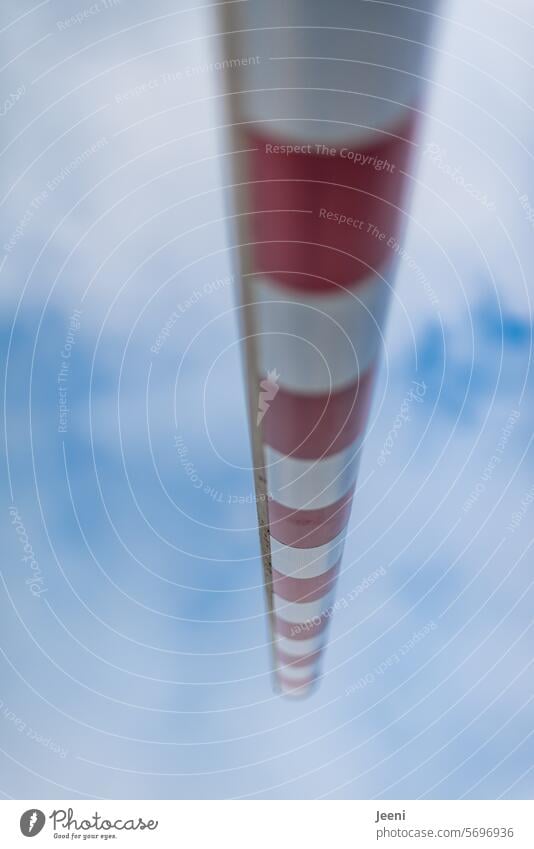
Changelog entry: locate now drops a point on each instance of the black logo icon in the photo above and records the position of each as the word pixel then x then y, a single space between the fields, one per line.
pixel 32 822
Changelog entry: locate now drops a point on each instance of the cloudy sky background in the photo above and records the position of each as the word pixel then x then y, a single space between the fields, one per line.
pixel 142 668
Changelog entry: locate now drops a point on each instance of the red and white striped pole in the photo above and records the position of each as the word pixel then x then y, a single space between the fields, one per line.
pixel 324 100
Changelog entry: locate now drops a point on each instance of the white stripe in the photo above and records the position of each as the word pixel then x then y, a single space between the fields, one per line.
pixel 297 673
pixel 306 562
pixel 388 40
pixel 318 343
pixel 311 484
pixel 299 648
pixel 302 613
pixel 375 120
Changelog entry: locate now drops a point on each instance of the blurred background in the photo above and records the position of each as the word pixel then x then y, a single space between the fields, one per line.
pixel 134 649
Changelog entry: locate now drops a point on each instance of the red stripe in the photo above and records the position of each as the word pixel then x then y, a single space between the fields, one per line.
pixel 304 660
pixel 300 630
pixel 304 589
pixel 300 248
pixel 314 426
pixel 309 528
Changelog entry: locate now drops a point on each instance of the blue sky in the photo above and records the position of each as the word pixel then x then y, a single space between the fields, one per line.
pixel 142 668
